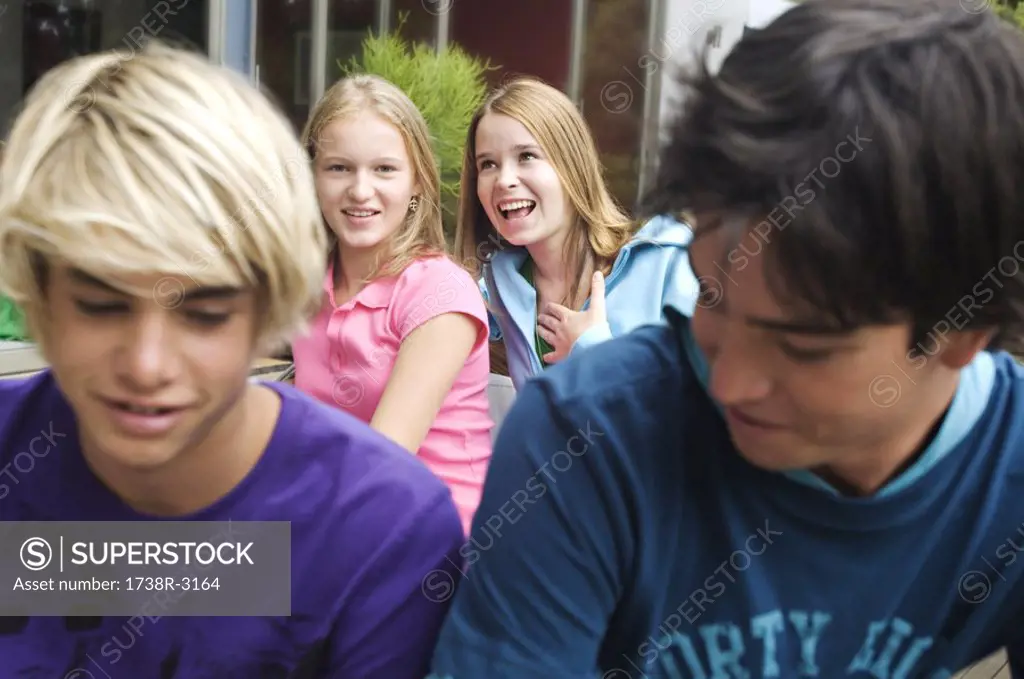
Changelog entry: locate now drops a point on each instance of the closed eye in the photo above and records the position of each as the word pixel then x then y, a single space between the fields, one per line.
pixel 206 318
pixel 803 355
pixel 100 308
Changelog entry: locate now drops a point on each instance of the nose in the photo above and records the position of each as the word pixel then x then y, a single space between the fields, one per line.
pixel 507 175
pixel 737 374
pixel 147 359
pixel 360 188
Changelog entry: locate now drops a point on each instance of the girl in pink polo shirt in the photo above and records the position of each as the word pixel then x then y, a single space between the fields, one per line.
pixel 401 338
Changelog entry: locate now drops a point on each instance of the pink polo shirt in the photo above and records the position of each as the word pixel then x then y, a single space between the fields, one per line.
pixel 346 358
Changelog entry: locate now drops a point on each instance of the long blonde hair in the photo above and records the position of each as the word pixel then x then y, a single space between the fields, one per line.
pixel 600 228
pixel 422 234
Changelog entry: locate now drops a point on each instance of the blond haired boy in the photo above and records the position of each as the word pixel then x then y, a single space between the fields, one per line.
pixel 159 226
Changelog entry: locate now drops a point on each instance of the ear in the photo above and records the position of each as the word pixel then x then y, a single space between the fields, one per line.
pixel 962 346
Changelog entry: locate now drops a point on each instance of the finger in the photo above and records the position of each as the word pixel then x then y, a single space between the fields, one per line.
pixel 557 310
pixel 547 323
pixel 597 295
pixel 552 357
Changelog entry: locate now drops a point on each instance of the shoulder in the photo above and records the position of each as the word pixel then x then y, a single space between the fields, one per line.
pixel 646 359
pixel 16 390
pixel 356 471
pixel 369 521
pixel 432 286
pixel 637 389
pixel 1005 411
pixel 24 400
pixel 435 269
pixel 660 244
pixel 664 231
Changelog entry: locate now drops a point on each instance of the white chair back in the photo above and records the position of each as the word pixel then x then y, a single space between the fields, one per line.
pixel 500 394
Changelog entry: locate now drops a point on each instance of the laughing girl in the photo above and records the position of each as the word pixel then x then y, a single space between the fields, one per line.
pixel 562 265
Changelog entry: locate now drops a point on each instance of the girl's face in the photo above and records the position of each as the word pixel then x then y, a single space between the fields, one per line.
pixel 517 185
pixel 364 179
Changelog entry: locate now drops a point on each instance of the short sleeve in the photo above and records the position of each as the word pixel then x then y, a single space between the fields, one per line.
pixel 431 287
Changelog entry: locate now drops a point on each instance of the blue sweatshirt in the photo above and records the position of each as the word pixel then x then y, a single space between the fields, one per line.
pixel 651 271
pixel 621 535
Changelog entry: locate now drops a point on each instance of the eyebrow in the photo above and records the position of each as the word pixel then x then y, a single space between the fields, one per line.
pixel 793 326
pixel 196 294
pixel 517 147
pixel 800 326
pixel 386 159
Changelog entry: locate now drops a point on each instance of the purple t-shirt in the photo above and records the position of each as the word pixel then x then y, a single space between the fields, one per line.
pixel 369 523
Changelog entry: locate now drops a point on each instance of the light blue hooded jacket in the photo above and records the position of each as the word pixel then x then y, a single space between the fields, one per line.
pixel 651 271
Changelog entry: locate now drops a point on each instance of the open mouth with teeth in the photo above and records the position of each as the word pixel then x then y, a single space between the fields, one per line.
pixel 516 209
pixel 139 410
pixel 361 214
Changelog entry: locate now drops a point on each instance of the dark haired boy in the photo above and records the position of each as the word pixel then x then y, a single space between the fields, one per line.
pixel 822 473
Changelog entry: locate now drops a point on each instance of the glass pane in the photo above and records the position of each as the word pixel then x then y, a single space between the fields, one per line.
pixel 283 56
pixel 616 59
pixel 36 35
pixel 348 24
pixel 543 51
pixel 421 18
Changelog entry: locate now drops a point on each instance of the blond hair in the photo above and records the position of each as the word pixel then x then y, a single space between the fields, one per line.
pixel 422 233
pixel 160 162
pixel 600 227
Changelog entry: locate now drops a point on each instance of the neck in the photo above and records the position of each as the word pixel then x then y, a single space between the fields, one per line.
pixel 867 473
pixel 352 267
pixel 548 258
pixel 199 477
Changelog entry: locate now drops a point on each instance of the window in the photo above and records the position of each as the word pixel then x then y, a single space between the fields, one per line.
pixel 283 54
pixel 39 34
pixel 615 65
pixel 348 23
pixel 612 67
pixel 533 39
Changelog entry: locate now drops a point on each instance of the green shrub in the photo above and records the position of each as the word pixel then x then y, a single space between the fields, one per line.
pixel 1010 10
pixel 12 322
pixel 447 87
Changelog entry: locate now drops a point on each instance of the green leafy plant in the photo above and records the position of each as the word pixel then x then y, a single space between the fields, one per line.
pixel 12 321
pixel 1010 10
pixel 446 85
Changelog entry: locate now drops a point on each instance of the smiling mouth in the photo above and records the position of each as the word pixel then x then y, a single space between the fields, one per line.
pixel 140 409
pixel 752 421
pixel 360 213
pixel 516 209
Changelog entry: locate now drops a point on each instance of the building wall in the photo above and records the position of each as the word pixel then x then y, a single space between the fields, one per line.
pixel 618 59
pixel 545 53
pixel 690 27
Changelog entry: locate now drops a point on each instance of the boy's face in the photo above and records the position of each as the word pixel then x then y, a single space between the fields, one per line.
pixel 841 404
pixel 148 377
